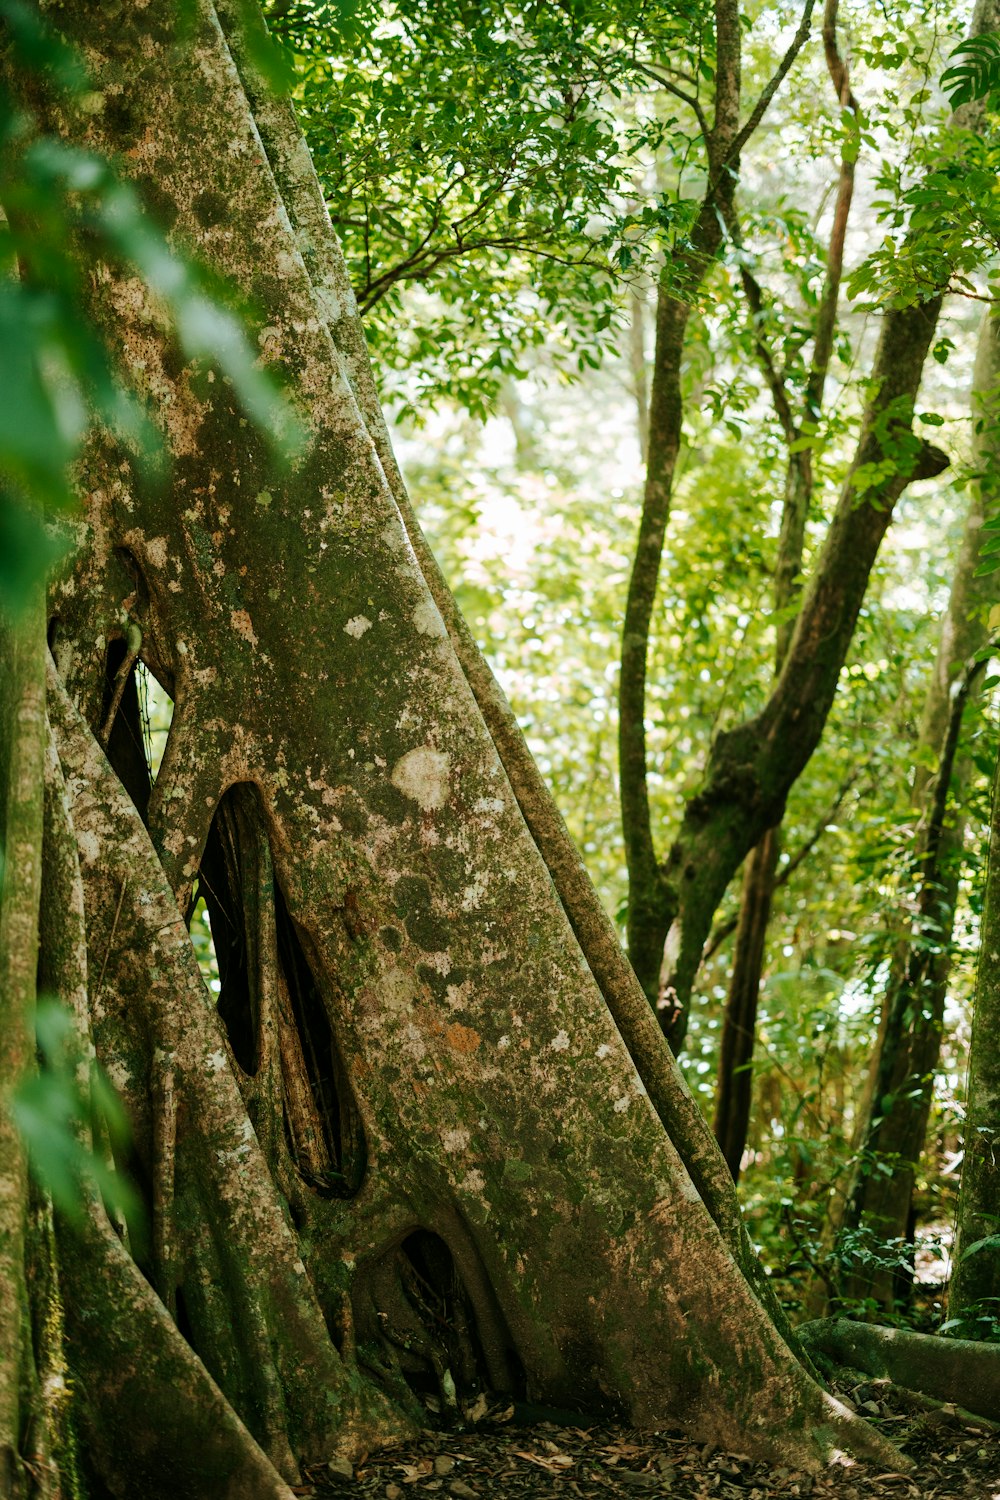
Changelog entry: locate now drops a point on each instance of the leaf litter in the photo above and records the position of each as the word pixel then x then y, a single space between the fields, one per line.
pixel 954 1457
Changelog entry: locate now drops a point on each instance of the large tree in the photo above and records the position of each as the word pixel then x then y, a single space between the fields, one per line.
pixel 429 1138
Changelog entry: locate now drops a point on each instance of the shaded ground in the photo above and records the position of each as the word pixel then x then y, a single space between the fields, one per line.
pixel 953 1459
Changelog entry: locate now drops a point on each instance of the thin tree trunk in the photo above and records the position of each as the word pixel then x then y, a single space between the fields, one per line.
pixel 735 1086
pixel 890 1135
pixel 734 1089
pixel 974 1299
pixel 22 750
pixel 649 893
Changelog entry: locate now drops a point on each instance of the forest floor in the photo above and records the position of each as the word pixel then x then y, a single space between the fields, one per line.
pixel 952 1459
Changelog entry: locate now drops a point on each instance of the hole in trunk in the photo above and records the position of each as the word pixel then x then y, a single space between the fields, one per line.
pixel 322 1122
pixel 140 726
pixel 126 746
pixel 255 970
pixel 200 928
pixel 156 712
pixel 416 1307
pixel 219 920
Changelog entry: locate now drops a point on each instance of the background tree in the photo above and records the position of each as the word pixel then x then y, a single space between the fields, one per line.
pixel 894 1125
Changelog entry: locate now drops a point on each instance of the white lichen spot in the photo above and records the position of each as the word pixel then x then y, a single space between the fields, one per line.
pixel 414 1045
pixel 474 1181
pixel 427 619
pixel 622 1104
pixel 560 1042
pixel 396 990
pixel 156 551
pixel 489 805
pixel 357 626
pixel 217 1061
pixel 503 1044
pixel 89 846
pixel 422 775
pixel 454 1140
pixel 474 893
pixel 603 1051
pixel 119 1074
pixel 328 303
pixel 240 620
pixel 457 995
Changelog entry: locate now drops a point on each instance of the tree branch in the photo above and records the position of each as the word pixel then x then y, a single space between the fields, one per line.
pixel 725 929
pixel 771 88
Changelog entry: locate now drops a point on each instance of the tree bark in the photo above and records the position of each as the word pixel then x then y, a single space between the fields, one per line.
pixel 502 1205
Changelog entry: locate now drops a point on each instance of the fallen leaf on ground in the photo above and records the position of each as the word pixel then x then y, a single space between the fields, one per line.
pixel 554 1462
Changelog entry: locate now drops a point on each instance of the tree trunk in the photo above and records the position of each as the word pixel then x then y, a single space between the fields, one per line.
pixel 974 1299
pixel 680 280
pixel 898 1099
pixel 734 1088
pixel 735 1085
pixel 22 748
pixel 409 1151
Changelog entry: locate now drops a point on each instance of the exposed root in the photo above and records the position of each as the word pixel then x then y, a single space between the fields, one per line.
pixel 155 1422
pixel 941 1413
pixel 959 1371
pixel 154 1003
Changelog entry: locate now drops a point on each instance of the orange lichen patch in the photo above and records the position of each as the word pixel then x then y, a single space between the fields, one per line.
pixel 462 1038
pixel 243 625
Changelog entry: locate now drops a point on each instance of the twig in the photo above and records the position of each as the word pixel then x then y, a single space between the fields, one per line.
pixel 133 646
pixel 111 938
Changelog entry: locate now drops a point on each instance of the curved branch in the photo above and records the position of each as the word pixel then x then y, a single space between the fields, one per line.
pixel 771 87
